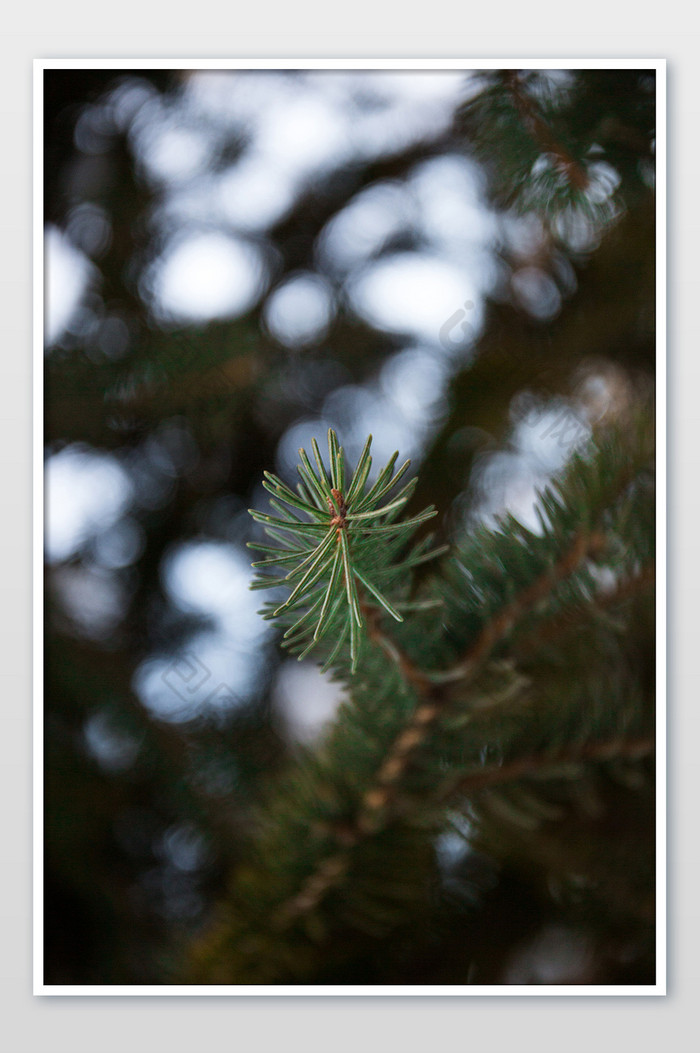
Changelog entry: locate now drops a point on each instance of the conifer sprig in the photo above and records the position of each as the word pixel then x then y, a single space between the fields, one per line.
pixel 474 713
pixel 342 544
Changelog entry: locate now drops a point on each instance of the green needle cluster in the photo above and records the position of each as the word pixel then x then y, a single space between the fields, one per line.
pixel 341 545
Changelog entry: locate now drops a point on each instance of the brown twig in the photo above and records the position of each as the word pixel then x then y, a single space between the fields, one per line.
pixel 557 626
pixel 497 628
pixel 434 696
pixel 542 133
pixel 611 749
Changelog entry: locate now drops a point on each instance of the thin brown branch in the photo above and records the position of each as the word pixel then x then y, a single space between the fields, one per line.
pixel 408 669
pixel 436 696
pixel 535 764
pixel 501 623
pixel 541 133
pixel 327 874
pixel 553 628
pixel 433 698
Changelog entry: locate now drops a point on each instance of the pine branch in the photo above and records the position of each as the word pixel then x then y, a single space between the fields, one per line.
pixel 569 620
pixel 582 545
pixel 333 549
pixel 438 705
pixel 515 124
pixel 537 764
pixel 434 698
pixel 541 133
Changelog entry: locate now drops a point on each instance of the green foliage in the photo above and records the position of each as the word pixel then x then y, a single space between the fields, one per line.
pixel 550 141
pixel 534 677
pixel 512 704
pixel 342 549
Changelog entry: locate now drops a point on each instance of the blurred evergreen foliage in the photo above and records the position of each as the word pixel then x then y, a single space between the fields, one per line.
pixel 481 809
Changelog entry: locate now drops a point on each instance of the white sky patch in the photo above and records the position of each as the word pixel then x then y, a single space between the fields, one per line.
pixel 254 194
pixel 306 700
pixel 408 106
pixel 89 228
pixel 169 145
pixel 415 380
pixel 173 153
pixel 428 87
pixel 301 131
pixel 451 849
pixel 120 545
pixel 509 482
pixel 361 228
pixel 214 578
pixel 293 128
pixel 207 275
pixel 218 667
pixel 545 436
pixel 299 311
pixel 112 748
pixel 399 410
pixel 362 411
pixel 411 293
pixel 536 292
pixel 550 434
pixel 299 435
pixel 425 99
pixel 450 206
pixel 86 493
pixel 234 97
pixel 68 274
pixel 94 600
